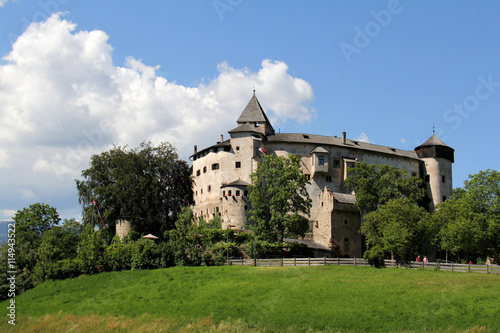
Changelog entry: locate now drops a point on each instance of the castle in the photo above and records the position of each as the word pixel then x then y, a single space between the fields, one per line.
pixel 221 174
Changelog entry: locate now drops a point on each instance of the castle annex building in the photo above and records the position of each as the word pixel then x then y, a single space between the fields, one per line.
pixel 222 173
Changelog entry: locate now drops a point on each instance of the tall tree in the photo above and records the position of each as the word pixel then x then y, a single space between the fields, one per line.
pixel 148 184
pixel 470 219
pixel 279 199
pixel 400 227
pixel 375 185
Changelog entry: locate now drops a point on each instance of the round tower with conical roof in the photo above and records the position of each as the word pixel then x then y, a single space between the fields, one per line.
pixel 437 159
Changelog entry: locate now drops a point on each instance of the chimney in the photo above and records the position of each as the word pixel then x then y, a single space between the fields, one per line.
pixel 221 138
pixel 343 137
pixel 195 149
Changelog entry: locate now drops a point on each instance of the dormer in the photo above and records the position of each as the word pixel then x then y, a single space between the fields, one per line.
pixel 319 160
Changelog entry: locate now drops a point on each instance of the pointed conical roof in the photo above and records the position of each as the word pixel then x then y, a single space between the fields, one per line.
pixel 433 141
pixel 253 113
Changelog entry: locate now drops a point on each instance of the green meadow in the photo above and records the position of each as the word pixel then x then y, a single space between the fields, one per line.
pixel 263 299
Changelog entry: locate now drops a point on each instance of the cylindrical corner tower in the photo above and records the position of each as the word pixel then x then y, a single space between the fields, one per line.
pixel 123 227
pixel 438 158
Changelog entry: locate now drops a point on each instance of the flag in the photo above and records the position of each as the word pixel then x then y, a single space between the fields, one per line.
pixel 263 151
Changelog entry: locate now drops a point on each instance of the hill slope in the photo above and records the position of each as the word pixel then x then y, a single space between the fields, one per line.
pixel 327 298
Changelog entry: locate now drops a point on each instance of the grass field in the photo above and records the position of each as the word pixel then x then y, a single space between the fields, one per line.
pixel 263 299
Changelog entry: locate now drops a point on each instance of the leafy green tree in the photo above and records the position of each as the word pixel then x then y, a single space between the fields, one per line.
pixel 399 227
pixel 38 217
pixel 470 219
pixel 90 250
pixel 57 244
pixel 185 240
pixel 148 185
pixel 375 185
pixel 145 255
pixel 279 199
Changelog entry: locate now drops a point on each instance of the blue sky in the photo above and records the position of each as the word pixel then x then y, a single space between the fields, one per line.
pixel 79 76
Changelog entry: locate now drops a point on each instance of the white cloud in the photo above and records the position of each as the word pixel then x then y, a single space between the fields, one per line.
pixel 7 214
pixel 63 100
pixel 363 138
pixel 403 140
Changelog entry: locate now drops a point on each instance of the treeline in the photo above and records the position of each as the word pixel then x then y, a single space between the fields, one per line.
pixel 48 248
pixel 464 228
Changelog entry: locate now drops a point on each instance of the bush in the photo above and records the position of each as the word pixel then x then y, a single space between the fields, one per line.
pixel 145 254
pixel 375 256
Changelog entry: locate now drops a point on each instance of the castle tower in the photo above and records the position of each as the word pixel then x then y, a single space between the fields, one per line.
pixel 437 158
pixel 123 227
pixel 254 115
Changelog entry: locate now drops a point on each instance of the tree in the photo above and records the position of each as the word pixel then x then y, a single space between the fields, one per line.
pixel 149 185
pixel 375 185
pixel 470 219
pixel 399 227
pixel 38 217
pixel 185 240
pixel 279 199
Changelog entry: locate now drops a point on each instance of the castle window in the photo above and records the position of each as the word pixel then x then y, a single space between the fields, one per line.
pixel 308 177
pixel 216 209
pixel 201 191
pixel 346 240
pixel 305 136
pixel 321 204
pixel 223 193
pixel 229 192
pixel 237 165
pixel 215 149
pixel 215 166
pixel 227 148
pixel 237 147
pixel 238 193
pixel 321 160
pixel 427 178
pixel 209 188
pixel 198 172
pixel 245 193
pixel 443 178
pixel 444 198
pixel 257 124
pixel 246 207
pixel 336 163
pixel 204 169
pixel 346 222
pixel 328 178
pixel 414 174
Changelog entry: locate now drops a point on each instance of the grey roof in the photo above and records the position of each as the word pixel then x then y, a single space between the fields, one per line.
pixel 225 143
pixel 246 127
pixel 320 150
pixel 238 182
pixel 336 141
pixel 433 141
pixel 344 198
pixel 253 113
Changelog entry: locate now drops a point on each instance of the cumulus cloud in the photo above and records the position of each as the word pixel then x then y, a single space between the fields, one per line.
pixel 64 100
pixel 363 138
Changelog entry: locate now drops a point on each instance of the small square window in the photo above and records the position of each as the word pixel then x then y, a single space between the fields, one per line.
pixel 346 222
pixel 346 240
pixel 245 193
pixel 215 166
pixel 237 147
pixel 444 198
pixel 237 193
pixel 336 163
pixel 427 178
pixel 227 148
pixel 329 179
pixel 198 172
pixel 237 165
pixel 321 160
